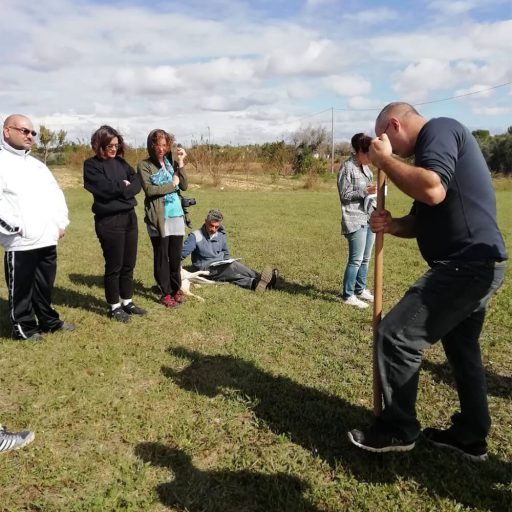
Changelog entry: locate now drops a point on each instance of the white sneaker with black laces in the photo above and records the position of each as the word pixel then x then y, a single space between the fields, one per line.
pixel 13 441
pixel 354 301
pixel 365 295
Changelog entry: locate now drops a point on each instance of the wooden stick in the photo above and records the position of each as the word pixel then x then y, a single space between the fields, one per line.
pixel 377 302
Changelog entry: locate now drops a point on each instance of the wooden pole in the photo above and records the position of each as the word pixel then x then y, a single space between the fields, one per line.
pixel 377 302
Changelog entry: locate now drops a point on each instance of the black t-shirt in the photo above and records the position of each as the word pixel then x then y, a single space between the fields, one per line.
pixel 463 226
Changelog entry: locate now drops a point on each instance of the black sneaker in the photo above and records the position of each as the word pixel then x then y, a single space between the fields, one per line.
pixel 132 309
pixel 64 326
pixel 120 315
pixel 476 451
pixel 378 439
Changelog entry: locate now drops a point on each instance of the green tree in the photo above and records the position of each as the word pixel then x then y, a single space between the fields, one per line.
pixel 47 139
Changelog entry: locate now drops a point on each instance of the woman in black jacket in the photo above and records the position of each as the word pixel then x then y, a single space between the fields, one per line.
pixel 114 185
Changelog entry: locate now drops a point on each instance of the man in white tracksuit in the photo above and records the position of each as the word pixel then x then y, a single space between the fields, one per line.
pixel 33 216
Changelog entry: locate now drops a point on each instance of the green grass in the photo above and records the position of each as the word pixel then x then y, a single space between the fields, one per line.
pixel 240 403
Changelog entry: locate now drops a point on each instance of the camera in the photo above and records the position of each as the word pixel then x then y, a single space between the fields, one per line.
pixel 187 201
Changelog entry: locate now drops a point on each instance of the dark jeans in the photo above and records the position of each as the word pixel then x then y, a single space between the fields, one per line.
pixel 118 235
pixel 236 273
pixel 447 303
pixel 30 276
pixel 167 263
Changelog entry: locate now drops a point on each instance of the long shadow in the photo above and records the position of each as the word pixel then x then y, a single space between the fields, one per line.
pixel 60 297
pixel 497 385
pixel 318 422
pixel 96 281
pixel 306 289
pixel 73 299
pixel 222 491
pixel 5 326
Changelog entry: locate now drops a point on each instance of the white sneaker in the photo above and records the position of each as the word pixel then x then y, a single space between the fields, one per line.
pixel 354 301
pixel 365 295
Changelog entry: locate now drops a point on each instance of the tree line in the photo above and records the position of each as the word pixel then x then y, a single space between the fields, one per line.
pixel 307 152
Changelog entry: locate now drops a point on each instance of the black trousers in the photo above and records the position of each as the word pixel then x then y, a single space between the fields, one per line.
pixel 30 276
pixel 167 263
pixel 118 235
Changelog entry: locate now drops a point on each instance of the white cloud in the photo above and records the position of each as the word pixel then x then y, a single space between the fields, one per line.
pixel 313 58
pixel 186 68
pixel 348 85
pixel 372 16
pixel 158 80
pixel 454 7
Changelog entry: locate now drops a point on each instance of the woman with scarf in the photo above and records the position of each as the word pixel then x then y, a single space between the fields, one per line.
pixel 162 179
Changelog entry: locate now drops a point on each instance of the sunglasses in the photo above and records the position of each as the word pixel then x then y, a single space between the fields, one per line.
pixel 25 131
pixel 112 146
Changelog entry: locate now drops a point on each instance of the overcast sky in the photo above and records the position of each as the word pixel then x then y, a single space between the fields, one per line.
pixel 247 72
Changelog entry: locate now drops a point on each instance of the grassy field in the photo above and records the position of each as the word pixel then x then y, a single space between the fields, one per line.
pixel 240 403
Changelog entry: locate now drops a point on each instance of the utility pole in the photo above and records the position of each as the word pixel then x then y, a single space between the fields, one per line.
pixel 210 151
pixel 332 140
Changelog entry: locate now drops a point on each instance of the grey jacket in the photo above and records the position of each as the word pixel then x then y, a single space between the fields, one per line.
pixel 205 249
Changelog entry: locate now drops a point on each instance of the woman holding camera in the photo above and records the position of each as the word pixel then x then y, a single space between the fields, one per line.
pixel 114 185
pixel 356 195
pixel 162 179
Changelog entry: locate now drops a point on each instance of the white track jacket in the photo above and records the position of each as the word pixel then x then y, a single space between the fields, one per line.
pixel 32 205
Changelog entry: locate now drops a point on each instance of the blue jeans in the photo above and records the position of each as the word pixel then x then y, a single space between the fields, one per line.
pixel 448 303
pixel 360 244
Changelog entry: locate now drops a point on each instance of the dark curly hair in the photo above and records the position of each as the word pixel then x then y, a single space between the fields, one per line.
pixel 361 142
pixel 102 137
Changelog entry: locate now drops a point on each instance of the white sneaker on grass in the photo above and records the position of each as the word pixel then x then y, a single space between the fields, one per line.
pixel 14 440
pixel 365 295
pixel 354 301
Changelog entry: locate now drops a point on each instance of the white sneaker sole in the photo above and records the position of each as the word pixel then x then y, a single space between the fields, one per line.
pixel 384 449
pixel 474 458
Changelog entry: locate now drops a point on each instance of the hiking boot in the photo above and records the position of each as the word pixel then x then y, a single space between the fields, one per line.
pixel 365 295
pixel 13 441
pixel 132 309
pixel 379 439
pixel 354 301
pixel 476 451
pixel 178 297
pixel 266 277
pixel 273 280
pixel 168 301
pixel 119 314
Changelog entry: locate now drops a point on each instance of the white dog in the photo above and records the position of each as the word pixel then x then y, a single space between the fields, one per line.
pixel 189 278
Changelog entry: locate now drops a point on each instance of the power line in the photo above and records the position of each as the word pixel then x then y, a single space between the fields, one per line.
pixel 426 102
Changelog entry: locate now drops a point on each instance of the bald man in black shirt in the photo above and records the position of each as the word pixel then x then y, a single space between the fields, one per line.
pixel 453 218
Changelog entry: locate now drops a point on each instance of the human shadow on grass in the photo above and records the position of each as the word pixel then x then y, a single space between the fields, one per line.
pixel 210 491
pixel 319 422
pixel 5 326
pixel 74 299
pixel 96 281
pixel 60 297
pixel 497 385
pixel 308 290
